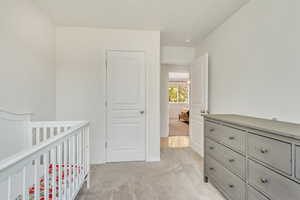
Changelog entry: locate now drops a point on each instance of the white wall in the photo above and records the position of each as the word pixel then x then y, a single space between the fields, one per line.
pixel 177 55
pixel 14 135
pixel 254 61
pixel 164 97
pixel 27 60
pixel 81 80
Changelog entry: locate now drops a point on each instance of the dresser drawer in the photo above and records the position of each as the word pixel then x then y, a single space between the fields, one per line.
pixel 254 195
pixel 230 159
pixel 273 152
pixel 234 138
pixel 233 186
pixel 297 162
pixel 276 186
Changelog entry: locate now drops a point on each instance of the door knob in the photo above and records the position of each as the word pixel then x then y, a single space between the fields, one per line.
pixel 264 180
pixel 142 112
pixel 264 150
pixel 231 138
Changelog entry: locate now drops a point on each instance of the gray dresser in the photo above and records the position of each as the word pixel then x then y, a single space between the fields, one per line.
pixel 249 158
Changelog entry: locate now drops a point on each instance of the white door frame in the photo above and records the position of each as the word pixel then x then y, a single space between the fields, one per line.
pixel 106 101
pixel 165 72
pixel 200 106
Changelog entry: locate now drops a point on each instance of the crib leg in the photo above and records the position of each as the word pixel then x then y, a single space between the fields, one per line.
pixel 88 182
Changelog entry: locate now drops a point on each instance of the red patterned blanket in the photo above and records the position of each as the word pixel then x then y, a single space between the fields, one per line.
pixel 70 170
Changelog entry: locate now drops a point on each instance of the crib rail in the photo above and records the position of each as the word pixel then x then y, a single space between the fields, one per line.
pixel 43 130
pixel 55 167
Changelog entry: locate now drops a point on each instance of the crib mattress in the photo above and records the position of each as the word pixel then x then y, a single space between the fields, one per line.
pixel 64 179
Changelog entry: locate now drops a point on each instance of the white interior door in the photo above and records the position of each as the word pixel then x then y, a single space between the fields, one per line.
pixel 199 102
pixel 126 133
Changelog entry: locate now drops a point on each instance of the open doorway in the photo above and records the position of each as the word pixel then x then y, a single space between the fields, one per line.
pixel 178 109
pixel 179 103
pixel 184 100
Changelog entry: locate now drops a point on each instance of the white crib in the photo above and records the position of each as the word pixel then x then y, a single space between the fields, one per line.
pixel 52 162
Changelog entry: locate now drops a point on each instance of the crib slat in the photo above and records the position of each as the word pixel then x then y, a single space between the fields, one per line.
pixel 83 153
pixel 53 173
pixel 60 171
pixel 9 188
pixel 36 180
pixel 52 152
pixel 80 156
pixel 88 156
pixel 73 163
pixel 77 161
pixel 45 133
pixel 69 169
pixel 37 137
pixel 58 130
pixel 46 175
pixel 24 188
pixel 31 131
pixel 51 132
pixel 83 158
pixel 65 169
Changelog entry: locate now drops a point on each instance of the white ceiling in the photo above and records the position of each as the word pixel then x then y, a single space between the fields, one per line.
pixel 178 20
pixel 179 76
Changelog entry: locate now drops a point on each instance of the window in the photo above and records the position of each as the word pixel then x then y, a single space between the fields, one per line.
pixel 178 92
pixel 173 93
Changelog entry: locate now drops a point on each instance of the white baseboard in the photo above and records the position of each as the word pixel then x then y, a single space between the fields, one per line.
pixel 98 162
pixel 197 148
pixel 153 159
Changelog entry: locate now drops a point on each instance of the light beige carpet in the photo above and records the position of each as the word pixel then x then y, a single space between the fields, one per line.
pixel 178 176
pixel 178 128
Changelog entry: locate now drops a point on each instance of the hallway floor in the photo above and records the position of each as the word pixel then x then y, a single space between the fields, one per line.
pixel 178 128
pixel 175 142
pixel 177 177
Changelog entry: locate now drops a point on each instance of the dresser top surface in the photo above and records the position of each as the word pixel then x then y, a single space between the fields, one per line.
pixel 277 127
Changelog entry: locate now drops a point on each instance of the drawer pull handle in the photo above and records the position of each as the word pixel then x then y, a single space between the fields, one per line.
pixel 231 160
pixel 211 168
pixel 231 138
pixel 212 130
pixel 231 186
pixel 211 148
pixel 264 180
pixel 264 150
